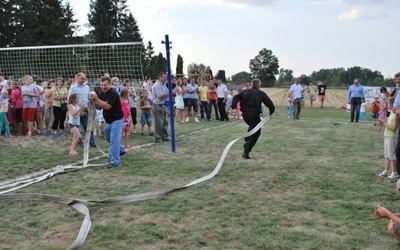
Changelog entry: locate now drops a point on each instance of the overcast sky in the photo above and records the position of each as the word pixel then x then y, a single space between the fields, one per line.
pixel 305 35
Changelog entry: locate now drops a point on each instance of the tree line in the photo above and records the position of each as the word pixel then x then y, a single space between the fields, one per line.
pixel 52 22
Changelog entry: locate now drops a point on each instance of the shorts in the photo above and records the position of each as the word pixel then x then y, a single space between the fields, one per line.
pixel 390 148
pixel 71 126
pixel 193 103
pixel 145 118
pixel 185 102
pixel 28 114
pixel 321 98
pixel 375 115
pixel 312 97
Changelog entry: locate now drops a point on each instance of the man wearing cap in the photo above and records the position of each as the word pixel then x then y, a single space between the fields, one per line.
pixel 356 92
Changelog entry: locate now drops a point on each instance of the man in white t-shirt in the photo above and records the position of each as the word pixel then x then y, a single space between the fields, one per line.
pixel 222 98
pixel 3 82
pixel 296 91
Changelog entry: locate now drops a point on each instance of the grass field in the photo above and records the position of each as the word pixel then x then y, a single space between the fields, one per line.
pixel 311 184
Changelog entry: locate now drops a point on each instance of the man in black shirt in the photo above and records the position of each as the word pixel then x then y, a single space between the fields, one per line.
pixel 109 101
pixel 250 103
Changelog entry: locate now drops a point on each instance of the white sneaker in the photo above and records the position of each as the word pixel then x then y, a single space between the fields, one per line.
pixel 384 173
pixel 393 176
pixel 196 119
pixel 187 119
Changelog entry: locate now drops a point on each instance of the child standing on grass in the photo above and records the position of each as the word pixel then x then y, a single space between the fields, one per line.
pixel 4 102
pixel 126 109
pixel 74 112
pixel 363 110
pixel 290 108
pixel 390 141
pixel 375 109
pixel 145 117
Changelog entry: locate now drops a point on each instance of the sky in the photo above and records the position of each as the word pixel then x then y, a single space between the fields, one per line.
pixel 305 35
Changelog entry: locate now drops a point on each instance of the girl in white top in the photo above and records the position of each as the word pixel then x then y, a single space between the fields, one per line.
pixel 74 112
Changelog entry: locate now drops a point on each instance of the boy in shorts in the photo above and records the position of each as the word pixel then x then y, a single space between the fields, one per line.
pixel 375 109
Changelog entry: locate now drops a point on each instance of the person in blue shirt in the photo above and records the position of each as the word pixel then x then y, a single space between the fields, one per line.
pixel 356 92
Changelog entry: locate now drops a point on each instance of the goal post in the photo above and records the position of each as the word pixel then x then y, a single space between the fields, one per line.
pixel 123 60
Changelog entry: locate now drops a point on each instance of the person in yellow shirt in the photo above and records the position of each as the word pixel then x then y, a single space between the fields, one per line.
pixel 312 93
pixel 204 106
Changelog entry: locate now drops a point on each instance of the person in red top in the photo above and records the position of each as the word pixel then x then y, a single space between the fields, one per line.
pixel 212 97
pixel 375 109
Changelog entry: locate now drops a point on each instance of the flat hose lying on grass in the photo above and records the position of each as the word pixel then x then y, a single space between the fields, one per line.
pixel 79 204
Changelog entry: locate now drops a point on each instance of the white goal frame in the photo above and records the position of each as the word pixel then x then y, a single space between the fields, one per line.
pixel 123 60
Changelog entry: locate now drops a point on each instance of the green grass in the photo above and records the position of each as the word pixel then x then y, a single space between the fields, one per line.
pixel 311 184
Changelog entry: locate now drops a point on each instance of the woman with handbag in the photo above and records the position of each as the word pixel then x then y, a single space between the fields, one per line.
pixel 60 95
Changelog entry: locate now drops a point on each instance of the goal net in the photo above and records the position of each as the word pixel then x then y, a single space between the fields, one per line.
pixel 122 60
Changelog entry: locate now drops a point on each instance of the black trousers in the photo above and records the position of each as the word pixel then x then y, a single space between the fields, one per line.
pixel 222 110
pixel 252 120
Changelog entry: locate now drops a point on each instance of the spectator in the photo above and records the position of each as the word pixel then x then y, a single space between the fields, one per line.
pixel 193 101
pixel 74 112
pixel 212 98
pixel 375 109
pixel 132 102
pixel 127 116
pixel 222 95
pixel 145 117
pixel 28 93
pixel 179 104
pixel 390 138
pixel 356 91
pixel 312 91
pixel 48 104
pixel 160 96
pixel 60 95
pixel 363 111
pixel 82 90
pixel 18 103
pixel 321 92
pixel 204 106
pixel 394 220
pixel 296 92
pixel 4 103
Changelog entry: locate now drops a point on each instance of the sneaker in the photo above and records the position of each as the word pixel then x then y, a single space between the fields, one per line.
pixel 151 134
pixel 142 134
pixel 51 135
pixel 61 135
pixel 196 119
pixel 393 176
pixel 187 119
pixel 384 173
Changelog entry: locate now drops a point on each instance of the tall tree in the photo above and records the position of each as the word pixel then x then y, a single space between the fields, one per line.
pixel 265 66
pixel 147 58
pixel 42 22
pixel 179 65
pixel 285 77
pixel 112 22
pixel 241 77
pixel 158 64
pixel 221 75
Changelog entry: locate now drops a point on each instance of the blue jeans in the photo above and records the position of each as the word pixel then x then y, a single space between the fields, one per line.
pixel 204 108
pixel 113 133
pixel 84 122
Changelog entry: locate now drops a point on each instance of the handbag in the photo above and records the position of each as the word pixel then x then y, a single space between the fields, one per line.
pixel 64 107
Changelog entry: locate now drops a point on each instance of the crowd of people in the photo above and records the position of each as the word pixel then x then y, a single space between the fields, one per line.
pixel 49 108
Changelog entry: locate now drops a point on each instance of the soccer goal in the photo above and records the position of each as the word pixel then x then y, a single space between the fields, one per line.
pixel 123 60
